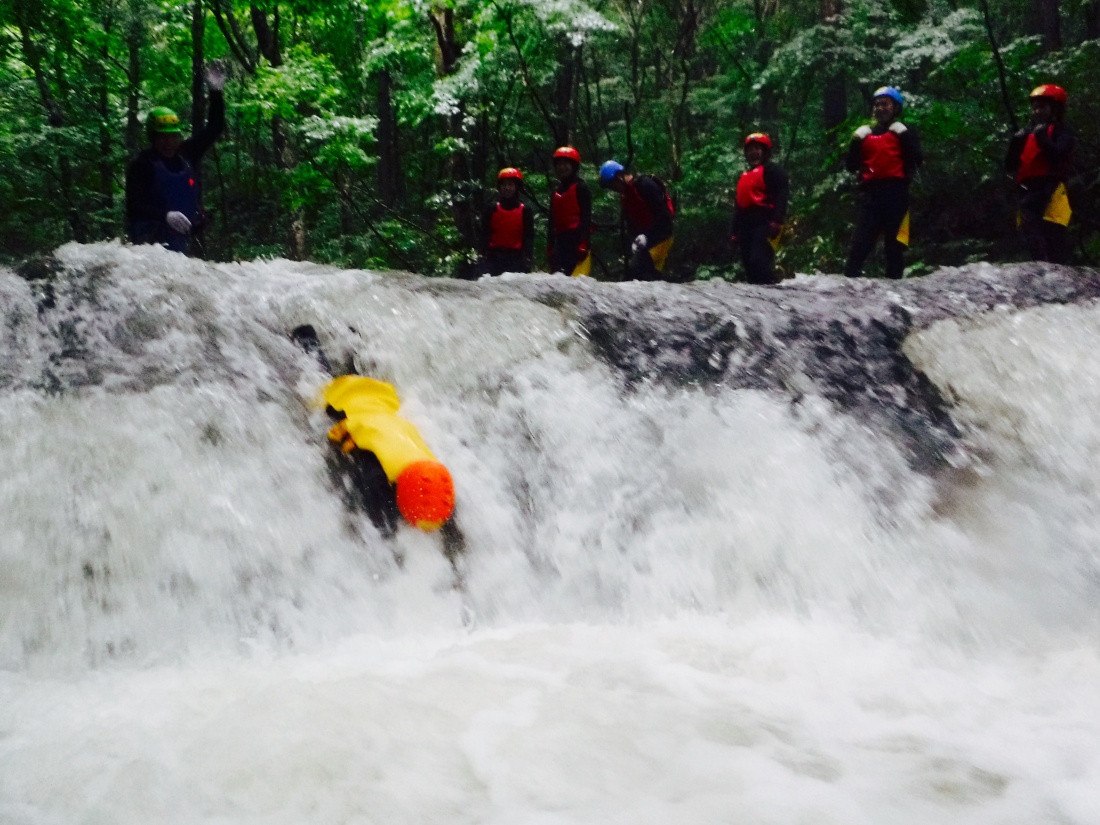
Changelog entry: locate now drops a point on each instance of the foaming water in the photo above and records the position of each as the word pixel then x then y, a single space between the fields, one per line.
pixel 695 604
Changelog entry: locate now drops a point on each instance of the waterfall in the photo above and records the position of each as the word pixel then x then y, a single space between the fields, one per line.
pixel 824 552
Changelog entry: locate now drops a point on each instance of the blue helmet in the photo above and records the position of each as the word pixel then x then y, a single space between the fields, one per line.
pixel 890 92
pixel 608 172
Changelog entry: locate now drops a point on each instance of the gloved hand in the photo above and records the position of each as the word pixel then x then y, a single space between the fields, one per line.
pixel 178 222
pixel 897 127
pixel 215 75
pixel 638 245
pixel 735 239
pixel 774 229
pixel 582 249
pixel 861 132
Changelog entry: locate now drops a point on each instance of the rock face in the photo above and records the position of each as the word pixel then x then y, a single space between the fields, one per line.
pixel 839 339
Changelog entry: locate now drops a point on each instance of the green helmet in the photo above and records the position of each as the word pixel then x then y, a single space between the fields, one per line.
pixel 163 121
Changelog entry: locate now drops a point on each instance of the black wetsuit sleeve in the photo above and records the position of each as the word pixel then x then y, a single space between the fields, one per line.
pixel 654 196
pixel 196 146
pixel 1015 150
pixel 853 161
pixel 528 232
pixel 584 200
pixel 486 227
pixel 142 201
pixel 1057 146
pixel 779 191
pixel 911 153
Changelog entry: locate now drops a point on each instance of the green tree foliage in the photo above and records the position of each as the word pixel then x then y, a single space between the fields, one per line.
pixel 369 133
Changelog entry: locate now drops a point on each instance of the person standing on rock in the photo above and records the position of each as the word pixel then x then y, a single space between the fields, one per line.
pixel 885 156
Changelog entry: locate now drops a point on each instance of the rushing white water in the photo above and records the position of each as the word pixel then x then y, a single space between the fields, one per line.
pixel 675 605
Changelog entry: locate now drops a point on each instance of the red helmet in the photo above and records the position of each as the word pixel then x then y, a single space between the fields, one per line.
pixel 1050 91
pixel 569 153
pixel 510 173
pixel 761 138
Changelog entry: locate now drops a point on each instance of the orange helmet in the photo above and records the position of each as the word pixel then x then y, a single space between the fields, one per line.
pixel 1049 91
pixel 510 173
pixel 425 494
pixel 761 138
pixel 569 153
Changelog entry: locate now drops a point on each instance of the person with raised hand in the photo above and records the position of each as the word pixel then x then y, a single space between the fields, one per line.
pixel 163 190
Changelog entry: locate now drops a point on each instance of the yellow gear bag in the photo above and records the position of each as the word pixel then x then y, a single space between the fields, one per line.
pixel 903 230
pixel 584 267
pixel 775 242
pixel 1058 210
pixel 373 424
pixel 659 254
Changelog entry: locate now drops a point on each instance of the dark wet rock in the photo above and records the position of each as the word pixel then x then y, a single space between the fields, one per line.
pixel 836 338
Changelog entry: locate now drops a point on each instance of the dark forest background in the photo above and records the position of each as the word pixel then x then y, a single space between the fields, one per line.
pixel 368 134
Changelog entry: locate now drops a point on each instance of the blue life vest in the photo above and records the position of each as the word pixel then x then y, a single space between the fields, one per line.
pixel 180 192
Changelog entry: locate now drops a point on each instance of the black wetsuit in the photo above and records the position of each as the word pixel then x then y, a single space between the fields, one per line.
pixel 884 199
pixel 570 226
pixel 1039 168
pixel 758 215
pixel 646 211
pixel 156 185
pixel 502 231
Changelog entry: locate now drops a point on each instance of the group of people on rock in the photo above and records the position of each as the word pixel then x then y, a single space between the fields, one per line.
pixel 507 237
pixel 884 155
pixel 164 206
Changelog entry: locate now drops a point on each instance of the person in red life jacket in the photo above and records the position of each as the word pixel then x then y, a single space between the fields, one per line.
pixel 507 228
pixel 885 156
pixel 1040 158
pixel 647 210
pixel 163 202
pixel 570 226
pixel 760 208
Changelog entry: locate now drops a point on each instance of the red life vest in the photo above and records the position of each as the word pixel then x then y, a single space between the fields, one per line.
pixel 1033 163
pixel 751 189
pixel 565 209
pixel 506 228
pixel 882 157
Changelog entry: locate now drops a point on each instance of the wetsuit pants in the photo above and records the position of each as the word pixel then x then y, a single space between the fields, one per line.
pixel 1045 240
pixel 565 253
pixel 757 255
pixel 499 261
pixel 882 208
pixel 366 488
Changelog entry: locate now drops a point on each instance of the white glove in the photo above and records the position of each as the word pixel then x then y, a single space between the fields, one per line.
pixel 215 75
pixel 639 244
pixel 178 222
pixel 861 132
pixel 897 127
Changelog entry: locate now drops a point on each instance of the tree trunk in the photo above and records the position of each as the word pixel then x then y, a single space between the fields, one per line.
pixel 1049 23
pixel 391 181
pixel 135 34
pixel 1092 19
pixel 462 207
pixel 198 88
pixel 835 92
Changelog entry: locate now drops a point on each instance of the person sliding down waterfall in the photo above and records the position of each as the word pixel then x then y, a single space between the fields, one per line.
pixel 387 461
